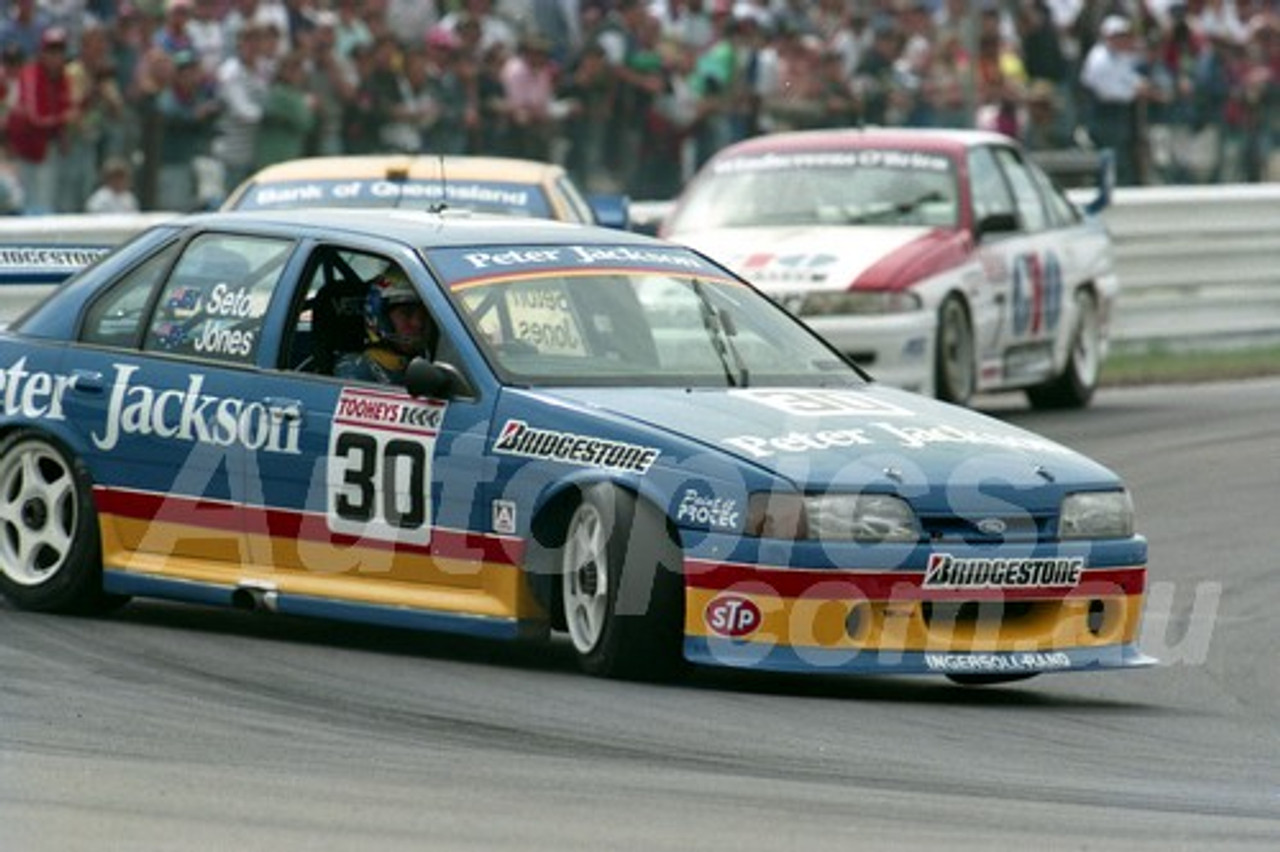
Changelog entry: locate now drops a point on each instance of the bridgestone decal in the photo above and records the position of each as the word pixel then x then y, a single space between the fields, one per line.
pixel 947 572
pixel 50 257
pixel 518 438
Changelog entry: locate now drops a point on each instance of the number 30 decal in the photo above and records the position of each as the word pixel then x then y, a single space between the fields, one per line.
pixel 398 504
pixel 379 475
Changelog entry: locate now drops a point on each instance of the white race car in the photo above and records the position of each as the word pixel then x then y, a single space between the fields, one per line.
pixel 943 261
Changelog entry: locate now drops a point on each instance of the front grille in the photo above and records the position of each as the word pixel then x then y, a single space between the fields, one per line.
pixel 989 529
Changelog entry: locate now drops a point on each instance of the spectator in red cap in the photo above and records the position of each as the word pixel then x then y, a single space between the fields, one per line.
pixel 36 125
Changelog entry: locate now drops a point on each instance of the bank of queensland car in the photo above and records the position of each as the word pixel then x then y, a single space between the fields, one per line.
pixel 609 436
pixel 507 185
pixel 944 262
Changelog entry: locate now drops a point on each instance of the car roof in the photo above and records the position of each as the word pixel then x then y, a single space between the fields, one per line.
pixel 420 167
pixel 418 228
pixel 935 140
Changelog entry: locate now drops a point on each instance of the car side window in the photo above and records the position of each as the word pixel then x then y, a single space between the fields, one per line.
pixel 1062 212
pixel 328 315
pixel 991 196
pixel 216 296
pixel 116 317
pixel 1025 191
pixel 332 318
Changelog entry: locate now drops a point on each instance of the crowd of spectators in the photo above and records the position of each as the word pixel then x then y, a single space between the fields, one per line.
pixel 165 104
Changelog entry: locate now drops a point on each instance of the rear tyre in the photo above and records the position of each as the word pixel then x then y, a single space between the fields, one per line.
pixel 954 362
pixel 50 555
pixel 1074 387
pixel 621 587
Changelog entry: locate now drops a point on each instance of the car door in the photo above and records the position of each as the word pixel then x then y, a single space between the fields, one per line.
pixel 1015 324
pixel 159 389
pixel 385 515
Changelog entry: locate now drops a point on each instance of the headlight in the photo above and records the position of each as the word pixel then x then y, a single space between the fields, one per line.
pixel 858 302
pixel 1096 514
pixel 833 517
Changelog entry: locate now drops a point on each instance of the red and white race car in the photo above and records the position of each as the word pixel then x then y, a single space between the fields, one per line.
pixel 943 261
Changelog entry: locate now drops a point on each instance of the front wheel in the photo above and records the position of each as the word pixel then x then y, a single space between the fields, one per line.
pixel 50 557
pixel 954 370
pixel 621 586
pixel 1074 386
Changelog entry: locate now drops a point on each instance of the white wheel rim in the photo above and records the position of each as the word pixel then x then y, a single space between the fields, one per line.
pixel 957 351
pixel 585 576
pixel 1085 352
pixel 38 513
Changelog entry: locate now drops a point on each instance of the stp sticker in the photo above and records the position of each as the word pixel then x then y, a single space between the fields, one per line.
pixel 733 616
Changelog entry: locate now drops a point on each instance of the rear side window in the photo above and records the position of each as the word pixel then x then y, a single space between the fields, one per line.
pixel 116 318
pixel 216 296
pixel 1030 205
pixel 991 194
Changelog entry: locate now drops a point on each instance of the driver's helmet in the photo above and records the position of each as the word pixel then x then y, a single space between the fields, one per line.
pixel 387 290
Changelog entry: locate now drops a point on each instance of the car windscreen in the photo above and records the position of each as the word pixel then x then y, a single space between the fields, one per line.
pixel 608 315
pixel 519 199
pixel 864 187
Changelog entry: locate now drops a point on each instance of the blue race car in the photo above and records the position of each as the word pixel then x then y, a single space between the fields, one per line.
pixel 597 432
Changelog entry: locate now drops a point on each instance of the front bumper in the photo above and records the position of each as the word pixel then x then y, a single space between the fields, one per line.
pixel 887 622
pixel 896 349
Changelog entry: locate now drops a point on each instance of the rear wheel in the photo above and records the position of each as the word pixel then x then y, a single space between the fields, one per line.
pixel 621 586
pixel 954 370
pixel 1074 387
pixel 50 557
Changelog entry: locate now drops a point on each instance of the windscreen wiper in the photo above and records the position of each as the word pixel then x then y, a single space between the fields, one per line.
pixel 722 329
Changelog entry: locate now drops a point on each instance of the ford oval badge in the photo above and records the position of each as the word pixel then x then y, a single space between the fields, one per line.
pixel 992 526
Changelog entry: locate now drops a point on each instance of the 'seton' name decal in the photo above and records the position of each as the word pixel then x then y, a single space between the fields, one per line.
pixel 518 438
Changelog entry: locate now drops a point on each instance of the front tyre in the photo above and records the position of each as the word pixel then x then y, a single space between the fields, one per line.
pixel 1074 387
pixel 621 586
pixel 50 556
pixel 954 361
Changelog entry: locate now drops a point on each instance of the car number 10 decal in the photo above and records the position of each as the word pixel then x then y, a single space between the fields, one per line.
pixel 381 447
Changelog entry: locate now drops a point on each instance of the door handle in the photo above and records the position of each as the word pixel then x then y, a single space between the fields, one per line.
pixel 87 381
pixel 284 408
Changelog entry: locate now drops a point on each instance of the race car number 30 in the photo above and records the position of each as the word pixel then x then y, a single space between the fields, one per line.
pixel 379 472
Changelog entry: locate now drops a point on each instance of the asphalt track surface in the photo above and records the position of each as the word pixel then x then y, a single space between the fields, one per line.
pixel 172 728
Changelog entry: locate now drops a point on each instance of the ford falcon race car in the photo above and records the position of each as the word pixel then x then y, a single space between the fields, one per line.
pixel 944 262
pixel 488 184
pixel 601 434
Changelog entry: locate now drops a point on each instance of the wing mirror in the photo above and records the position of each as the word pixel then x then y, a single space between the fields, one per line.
pixel 435 380
pixel 997 223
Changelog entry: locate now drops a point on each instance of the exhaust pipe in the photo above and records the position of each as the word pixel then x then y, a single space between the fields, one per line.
pixel 255 595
